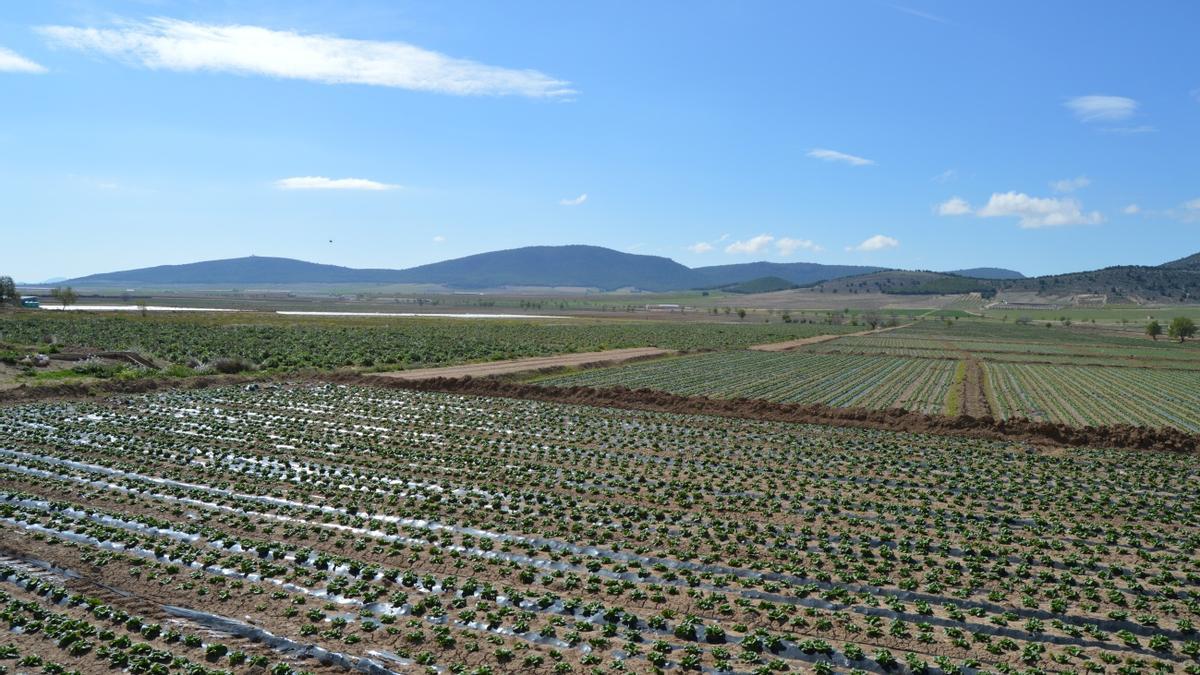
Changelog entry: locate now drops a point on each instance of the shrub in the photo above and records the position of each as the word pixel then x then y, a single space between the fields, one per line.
pixel 215 651
pixel 230 366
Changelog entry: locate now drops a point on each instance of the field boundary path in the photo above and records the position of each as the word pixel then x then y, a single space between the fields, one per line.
pixel 817 339
pixel 511 366
pixel 132 357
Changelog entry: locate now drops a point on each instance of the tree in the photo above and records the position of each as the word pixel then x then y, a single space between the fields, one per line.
pixel 1181 327
pixel 1154 329
pixel 741 313
pixel 8 291
pixel 872 319
pixel 64 294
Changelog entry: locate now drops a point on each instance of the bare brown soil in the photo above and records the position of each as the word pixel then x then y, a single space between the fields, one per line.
pixel 539 363
pixel 817 339
pixel 974 394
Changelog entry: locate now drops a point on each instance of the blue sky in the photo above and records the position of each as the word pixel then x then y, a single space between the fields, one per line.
pixel 1042 136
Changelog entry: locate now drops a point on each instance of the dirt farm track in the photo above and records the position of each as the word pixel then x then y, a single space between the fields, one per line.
pixel 493 368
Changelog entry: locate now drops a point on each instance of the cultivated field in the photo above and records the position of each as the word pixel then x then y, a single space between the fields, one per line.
pixel 399 531
pixel 1074 375
pixel 272 342
pixel 1089 395
pixel 788 377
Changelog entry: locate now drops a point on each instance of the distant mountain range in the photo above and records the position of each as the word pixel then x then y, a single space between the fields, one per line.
pixel 542 266
pixel 595 267
pixel 1192 262
pixel 988 273
pixel 580 266
pixel 1175 281
pixel 800 273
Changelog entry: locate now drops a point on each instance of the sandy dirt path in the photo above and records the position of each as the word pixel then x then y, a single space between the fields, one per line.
pixel 817 339
pixel 605 358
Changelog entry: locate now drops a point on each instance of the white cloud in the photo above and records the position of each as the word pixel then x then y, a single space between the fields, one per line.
pixel 835 156
pixel 1131 209
pixel 783 245
pixel 439 239
pixel 12 62
pixel 918 13
pixel 1188 212
pixel 1070 184
pixel 323 183
pixel 171 44
pixel 1129 131
pixel 1102 108
pixel 574 201
pixel 788 246
pixel 946 176
pixel 955 206
pixel 1038 211
pixel 751 245
pixel 877 243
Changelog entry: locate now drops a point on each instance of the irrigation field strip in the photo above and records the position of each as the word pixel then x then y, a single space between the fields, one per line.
pixel 24 573
pixel 790 652
pixel 320 594
pixel 1051 640
pixel 916 468
pixel 951 551
pixel 595 618
pixel 32 568
pixel 922 469
pixel 377 534
pixel 916 485
pixel 427 421
pixel 724 571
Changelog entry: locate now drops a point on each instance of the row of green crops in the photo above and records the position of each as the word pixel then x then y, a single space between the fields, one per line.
pixel 1086 395
pixel 899 343
pixel 1078 334
pixel 788 377
pixel 1014 353
pixel 277 344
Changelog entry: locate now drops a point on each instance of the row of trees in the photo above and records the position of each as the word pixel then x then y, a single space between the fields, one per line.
pixel 8 292
pixel 64 294
pixel 1180 328
pixel 9 296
